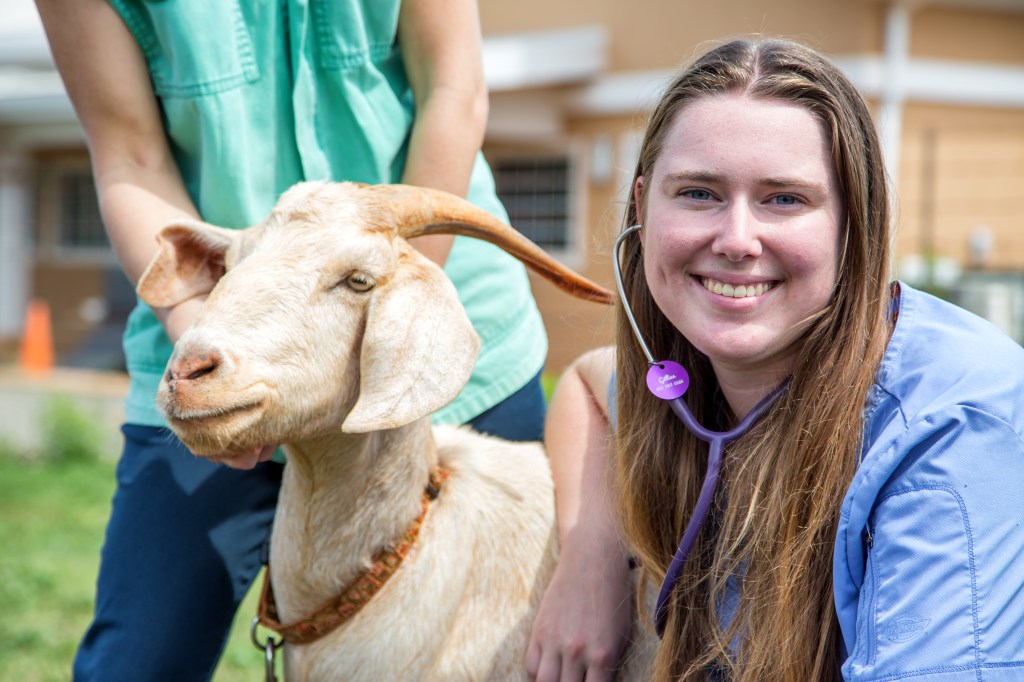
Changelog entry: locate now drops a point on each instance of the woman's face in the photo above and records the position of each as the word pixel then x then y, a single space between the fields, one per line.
pixel 742 228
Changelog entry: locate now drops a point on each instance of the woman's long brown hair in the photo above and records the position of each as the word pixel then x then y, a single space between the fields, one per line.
pixel 755 599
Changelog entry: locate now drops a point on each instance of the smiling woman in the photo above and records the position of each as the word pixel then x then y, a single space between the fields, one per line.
pixel 855 532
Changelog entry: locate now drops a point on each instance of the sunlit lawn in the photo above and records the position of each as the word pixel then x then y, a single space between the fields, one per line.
pixel 52 517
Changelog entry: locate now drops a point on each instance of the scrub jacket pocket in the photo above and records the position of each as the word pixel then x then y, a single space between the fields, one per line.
pixel 350 33
pixel 918 606
pixel 185 58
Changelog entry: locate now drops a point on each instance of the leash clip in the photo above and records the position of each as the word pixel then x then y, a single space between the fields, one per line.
pixel 269 649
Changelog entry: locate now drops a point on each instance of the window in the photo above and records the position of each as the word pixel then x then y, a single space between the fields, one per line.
pixel 69 224
pixel 536 193
pixel 79 222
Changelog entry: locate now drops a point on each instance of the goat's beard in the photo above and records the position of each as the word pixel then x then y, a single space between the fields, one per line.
pixel 235 432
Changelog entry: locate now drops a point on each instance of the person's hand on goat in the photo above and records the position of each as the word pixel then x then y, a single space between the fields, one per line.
pixel 584 620
pixel 244 461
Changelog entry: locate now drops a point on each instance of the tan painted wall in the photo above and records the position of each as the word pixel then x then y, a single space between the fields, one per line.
pixel 575 326
pixel 650 34
pixel 662 33
pixel 962 169
pixel 948 33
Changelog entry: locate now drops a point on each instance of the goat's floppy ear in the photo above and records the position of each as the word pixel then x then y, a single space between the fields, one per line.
pixel 189 262
pixel 418 349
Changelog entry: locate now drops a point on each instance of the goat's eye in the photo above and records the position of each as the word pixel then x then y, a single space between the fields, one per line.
pixel 359 282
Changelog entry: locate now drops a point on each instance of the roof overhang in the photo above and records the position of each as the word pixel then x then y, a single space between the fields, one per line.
pixel 1012 6
pixel 545 58
pixel 938 81
pixel 934 81
pixel 31 96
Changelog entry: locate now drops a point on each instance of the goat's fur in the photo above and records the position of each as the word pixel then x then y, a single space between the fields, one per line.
pixel 326 331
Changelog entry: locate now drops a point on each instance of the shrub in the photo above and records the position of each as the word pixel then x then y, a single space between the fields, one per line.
pixel 68 434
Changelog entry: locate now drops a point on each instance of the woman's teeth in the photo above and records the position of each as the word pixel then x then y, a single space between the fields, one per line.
pixel 735 291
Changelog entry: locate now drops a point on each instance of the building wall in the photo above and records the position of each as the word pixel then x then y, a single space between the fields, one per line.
pixel 80 280
pixel 962 171
pixel 656 34
pixel 575 326
pixel 70 290
pixel 968 35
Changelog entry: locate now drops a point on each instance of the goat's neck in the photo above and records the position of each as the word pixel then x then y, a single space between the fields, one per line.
pixel 343 498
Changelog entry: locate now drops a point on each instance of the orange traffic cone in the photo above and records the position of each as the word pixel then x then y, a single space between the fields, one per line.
pixel 37 341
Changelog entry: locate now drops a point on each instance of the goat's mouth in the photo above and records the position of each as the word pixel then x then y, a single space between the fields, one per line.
pixel 194 417
pixel 199 407
pixel 217 430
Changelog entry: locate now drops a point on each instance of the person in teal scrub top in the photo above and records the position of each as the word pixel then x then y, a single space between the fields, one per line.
pixel 198 109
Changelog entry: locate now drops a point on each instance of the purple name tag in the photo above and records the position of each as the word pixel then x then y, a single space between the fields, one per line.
pixel 667 380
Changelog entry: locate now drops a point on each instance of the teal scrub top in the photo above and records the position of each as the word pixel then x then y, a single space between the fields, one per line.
pixel 257 96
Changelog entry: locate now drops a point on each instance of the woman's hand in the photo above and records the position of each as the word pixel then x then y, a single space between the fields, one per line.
pixel 582 626
pixel 247 461
pixel 584 620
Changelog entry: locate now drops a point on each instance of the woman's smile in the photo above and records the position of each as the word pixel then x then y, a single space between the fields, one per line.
pixel 747 290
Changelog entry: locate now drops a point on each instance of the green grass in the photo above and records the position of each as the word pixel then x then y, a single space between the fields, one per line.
pixel 52 516
pixel 548 382
pixel 52 523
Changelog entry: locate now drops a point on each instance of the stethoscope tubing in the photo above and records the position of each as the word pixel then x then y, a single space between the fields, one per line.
pixel 716 440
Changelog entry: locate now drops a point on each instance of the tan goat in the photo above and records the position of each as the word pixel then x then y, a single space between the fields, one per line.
pixel 326 331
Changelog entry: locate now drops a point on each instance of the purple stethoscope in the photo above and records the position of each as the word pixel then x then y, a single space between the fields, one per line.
pixel 668 380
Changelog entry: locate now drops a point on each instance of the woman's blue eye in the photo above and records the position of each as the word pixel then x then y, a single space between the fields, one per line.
pixel 785 199
pixel 698 194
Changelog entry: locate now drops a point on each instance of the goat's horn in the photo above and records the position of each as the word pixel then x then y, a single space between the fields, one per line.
pixel 420 211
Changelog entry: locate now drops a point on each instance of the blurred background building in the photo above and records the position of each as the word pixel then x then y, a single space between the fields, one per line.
pixel 571 83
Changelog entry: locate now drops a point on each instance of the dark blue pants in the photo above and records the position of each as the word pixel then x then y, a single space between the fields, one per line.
pixel 183 546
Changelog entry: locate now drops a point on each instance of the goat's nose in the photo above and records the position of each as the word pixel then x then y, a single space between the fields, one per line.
pixel 193 366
